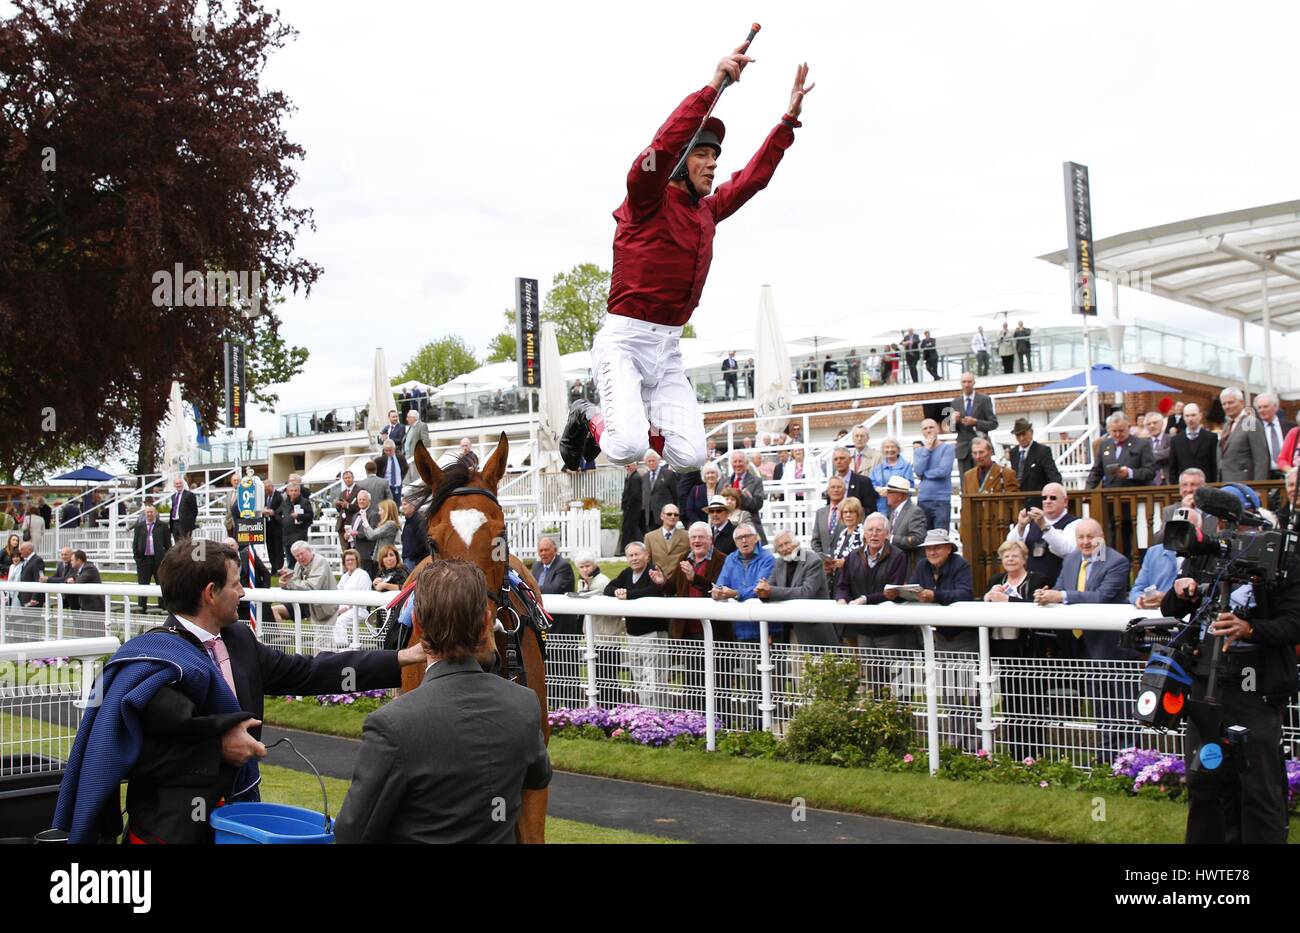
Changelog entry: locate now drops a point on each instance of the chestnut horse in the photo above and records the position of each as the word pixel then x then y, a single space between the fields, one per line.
pixel 466 523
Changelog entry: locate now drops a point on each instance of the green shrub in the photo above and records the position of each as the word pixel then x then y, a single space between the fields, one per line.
pixel 757 744
pixel 836 727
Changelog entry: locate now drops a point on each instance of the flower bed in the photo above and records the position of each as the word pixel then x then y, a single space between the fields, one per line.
pixel 343 699
pixel 629 723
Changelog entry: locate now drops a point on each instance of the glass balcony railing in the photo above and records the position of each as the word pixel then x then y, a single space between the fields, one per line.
pixel 1049 350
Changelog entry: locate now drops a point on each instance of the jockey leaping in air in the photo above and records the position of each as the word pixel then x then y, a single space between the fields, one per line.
pixel 663 245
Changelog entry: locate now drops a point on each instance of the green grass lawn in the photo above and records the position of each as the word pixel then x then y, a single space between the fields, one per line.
pixel 285 785
pixel 1038 813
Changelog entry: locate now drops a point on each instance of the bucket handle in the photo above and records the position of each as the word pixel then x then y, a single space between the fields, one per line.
pixel 324 797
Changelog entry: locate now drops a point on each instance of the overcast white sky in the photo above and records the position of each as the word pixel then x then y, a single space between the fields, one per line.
pixel 451 148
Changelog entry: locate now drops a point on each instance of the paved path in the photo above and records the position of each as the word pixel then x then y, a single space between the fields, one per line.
pixel 662 811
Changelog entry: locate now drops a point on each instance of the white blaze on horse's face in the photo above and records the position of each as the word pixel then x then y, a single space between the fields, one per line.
pixel 467 522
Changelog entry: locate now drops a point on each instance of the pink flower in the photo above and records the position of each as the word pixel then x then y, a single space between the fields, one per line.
pixel 908 759
pixel 983 753
pixel 1029 762
pixel 616 733
pixel 1042 783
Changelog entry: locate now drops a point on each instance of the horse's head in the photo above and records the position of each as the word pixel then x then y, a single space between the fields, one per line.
pixel 463 523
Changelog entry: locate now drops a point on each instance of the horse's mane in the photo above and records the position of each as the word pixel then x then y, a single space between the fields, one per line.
pixel 428 501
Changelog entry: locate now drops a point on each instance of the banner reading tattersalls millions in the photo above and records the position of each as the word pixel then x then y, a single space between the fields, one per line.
pixel 528 334
pixel 1078 222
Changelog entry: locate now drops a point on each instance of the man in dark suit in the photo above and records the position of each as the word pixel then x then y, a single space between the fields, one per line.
pixel 390 466
pixel 1031 461
pixel 972 416
pixel 345 504
pixel 86 573
pixel 64 572
pixel 1193 446
pixel 856 485
pixel 554 575
pixel 633 507
pixel 660 489
pixel 295 516
pixel 720 526
pixel 148 545
pixel 912 354
pixel 1122 460
pixel 185 511
pixel 449 761
pixel 729 369
pixel 394 431
pixel 1243 448
pixel 930 350
pixel 32 570
pixel 271 513
pixel 189 753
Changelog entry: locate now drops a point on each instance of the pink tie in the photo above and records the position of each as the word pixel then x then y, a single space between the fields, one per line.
pixel 217 648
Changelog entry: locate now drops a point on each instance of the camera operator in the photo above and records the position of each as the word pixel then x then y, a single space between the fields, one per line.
pixel 1242 800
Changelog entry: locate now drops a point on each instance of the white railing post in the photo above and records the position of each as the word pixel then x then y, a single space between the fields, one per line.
pixel 589 639
pixel 126 619
pixel 710 690
pixel 931 697
pixel 765 704
pixel 58 614
pixel 984 679
pixel 4 618
pixel 297 628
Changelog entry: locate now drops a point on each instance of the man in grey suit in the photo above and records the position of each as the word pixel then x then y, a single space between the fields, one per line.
pixel 826 521
pixel 1243 448
pixel 366 514
pixel 374 484
pixel 1122 459
pixel 417 432
pixel 798 574
pixel 449 761
pixel 906 519
pixel 309 571
pixel 972 417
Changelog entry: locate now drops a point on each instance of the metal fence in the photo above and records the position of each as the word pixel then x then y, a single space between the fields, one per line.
pixel 1023 707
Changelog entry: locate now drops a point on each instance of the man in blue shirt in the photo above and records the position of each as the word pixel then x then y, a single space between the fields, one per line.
pixel 741 572
pixel 932 463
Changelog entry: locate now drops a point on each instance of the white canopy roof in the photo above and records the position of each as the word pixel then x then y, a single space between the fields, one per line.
pixel 1225 263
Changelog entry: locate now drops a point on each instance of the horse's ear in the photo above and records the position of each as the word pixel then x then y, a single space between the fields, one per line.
pixel 495 468
pixel 425 465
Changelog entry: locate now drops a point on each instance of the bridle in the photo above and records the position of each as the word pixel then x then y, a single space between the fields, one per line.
pixel 502 596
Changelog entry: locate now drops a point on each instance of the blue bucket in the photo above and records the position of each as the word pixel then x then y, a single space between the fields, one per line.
pixel 244 824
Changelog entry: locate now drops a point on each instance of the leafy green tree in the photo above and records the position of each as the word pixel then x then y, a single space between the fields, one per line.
pixel 576 305
pixel 502 346
pixel 440 361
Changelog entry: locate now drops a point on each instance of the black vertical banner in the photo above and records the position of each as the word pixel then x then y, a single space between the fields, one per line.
pixel 234 385
pixel 528 334
pixel 1078 222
